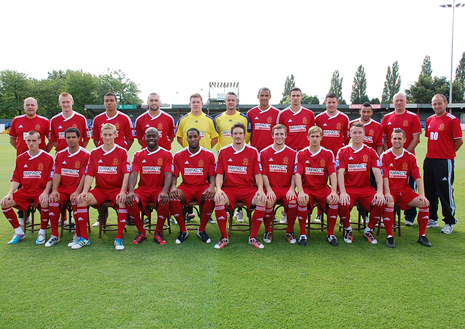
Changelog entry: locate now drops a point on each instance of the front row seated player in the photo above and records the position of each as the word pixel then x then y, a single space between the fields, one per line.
pixel 314 165
pixel 109 164
pixel 197 166
pixel 70 164
pixel 354 163
pixel 238 164
pixel 278 162
pixel 33 171
pixel 153 164
pixel 398 165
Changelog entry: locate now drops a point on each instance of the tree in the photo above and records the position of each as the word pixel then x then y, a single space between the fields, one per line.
pixel 306 99
pixel 84 88
pixel 375 101
pixel 359 87
pixel 288 85
pixel 460 72
pixel 13 90
pixel 46 92
pixel 115 81
pixel 426 67
pixel 392 83
pixel 423 90
pixel 336 86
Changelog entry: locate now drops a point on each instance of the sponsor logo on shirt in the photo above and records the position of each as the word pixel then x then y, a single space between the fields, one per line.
pixel 202 134
pixel 152 170
pixel 69 172
pixel 397 174
pixel 237 170
pixel 32 174
pixel 368 139
pixel 297 129
pixel 357 167
pixel 107 170
pixel 314 171
pixel 226 133
pixel 262 126
pixel 193 171
pixel 61 135
pixel 331 133
pixel 278 168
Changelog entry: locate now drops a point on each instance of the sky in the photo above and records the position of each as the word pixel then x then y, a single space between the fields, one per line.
pixel 175 48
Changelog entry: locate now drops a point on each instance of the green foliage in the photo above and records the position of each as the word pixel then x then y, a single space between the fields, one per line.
pixel 336 86
pixel 423 90
pixel 288 85
pixel 115 81
pixel 359 87
pixel 306 99
pixel 83 86
pixel 460 72
pixel 426 67
pixel 375 101
pixel 46 92
pixel 14 88
pixel 392 83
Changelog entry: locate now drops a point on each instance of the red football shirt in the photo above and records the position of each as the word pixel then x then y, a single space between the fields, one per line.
pixel 238 167
pixel 21 125
pixel 33 172
pixel 59 124
pixel 108 168
pixel 164 124
pixel 408 122
pixel 373 133
pixel 315 168
pixel 297 124
pixel 195 168
pixel 278 165
pixel 262 123
pixel 123 124
pixel 335 130
pixel 442 133
pixel 71 167
pixel 357 165
pixel 152 167
pixel 399 168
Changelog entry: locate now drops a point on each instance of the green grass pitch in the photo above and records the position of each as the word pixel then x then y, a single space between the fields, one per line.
pixel 195 286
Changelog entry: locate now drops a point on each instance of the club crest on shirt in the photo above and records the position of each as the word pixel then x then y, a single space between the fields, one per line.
pixel 269 120
pixel 304 121
pixel 286 160
pixel 115 161
pixel 74 125
pixel 77 165
pixel 322 163
pixel 365 158
pixel 371 132
pixel 160 126
pixel 405 123
pixel 37 127
pixel 405 166
pixel 245 162
pixel 338 126
pixel 40 166
pixel 117 125
pixel 160 161
pixel 201 163
pixel 441 126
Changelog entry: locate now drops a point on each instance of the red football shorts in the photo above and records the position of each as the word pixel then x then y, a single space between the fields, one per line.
pixel 244 194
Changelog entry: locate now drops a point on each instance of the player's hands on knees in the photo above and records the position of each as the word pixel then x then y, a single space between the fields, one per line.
pixel 379 199
pixel 55 197
pixel 7 199
pixel 74 197
pixel 163 198
pixel 302 199
pixel 333 198
pixel 389 200
pixel 130 197
pixel 423 201
pixel 261 196
pixel 220 196
pixel 344 199
pixel 209 193
pixel 270 196
pixel 121 197
pixel 43 198
pixel 290 195
pixel 82 197
pixel 174 193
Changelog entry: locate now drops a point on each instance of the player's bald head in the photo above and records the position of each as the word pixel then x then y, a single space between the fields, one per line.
pixel 151 131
